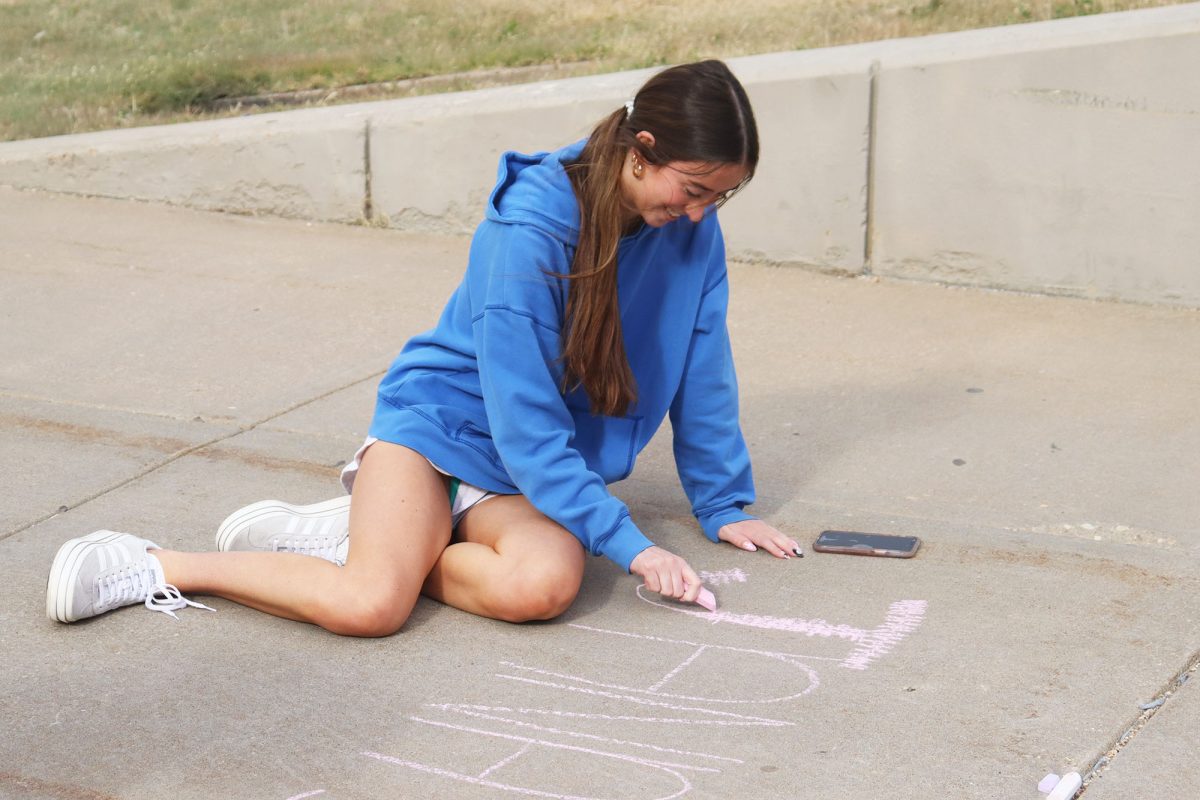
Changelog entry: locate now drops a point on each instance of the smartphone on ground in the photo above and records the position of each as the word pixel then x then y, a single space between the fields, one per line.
pixel 856 543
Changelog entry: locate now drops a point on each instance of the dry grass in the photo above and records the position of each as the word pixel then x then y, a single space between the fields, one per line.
pixel 67 68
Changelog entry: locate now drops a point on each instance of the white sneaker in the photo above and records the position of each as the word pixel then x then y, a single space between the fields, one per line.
pixel 106 570
pixel 320 529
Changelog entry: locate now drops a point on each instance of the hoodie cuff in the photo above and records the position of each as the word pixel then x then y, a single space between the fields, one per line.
pixel 712 523
pixel 625 544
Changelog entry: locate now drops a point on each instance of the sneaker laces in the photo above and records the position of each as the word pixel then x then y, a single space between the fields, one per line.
pixel 325 547
pixel 166 598
pixel 132 583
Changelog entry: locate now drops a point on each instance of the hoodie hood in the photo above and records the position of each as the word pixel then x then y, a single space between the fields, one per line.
pixel 534 190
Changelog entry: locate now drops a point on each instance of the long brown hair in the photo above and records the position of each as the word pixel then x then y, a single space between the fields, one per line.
pixel 696 112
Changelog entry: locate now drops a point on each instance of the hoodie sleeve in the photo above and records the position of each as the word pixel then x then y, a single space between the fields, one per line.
pixel 710 452
pixel 516 325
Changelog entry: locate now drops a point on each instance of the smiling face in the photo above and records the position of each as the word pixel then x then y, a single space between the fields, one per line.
pixel 662 194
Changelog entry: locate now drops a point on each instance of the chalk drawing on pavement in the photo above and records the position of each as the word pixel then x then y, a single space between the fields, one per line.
pixel 902 618
pixel 529 740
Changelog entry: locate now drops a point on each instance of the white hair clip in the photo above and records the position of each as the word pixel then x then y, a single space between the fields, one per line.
pixel 628 109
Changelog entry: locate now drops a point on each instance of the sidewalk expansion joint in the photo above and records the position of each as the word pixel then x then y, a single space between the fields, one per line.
pixel 190 450
pixel 868 267
pixel 1147 711
pixel 368 201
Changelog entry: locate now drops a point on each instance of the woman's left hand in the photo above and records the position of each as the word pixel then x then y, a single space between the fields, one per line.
pixel 751 534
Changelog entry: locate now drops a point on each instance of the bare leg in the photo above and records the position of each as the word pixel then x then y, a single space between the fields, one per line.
pixel 510 562
pixel 399 526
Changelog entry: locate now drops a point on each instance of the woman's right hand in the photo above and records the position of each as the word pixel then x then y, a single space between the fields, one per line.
pixel 666 573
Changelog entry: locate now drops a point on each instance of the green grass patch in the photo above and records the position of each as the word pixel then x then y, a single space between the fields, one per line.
pixel 1076 8
pixel 196 88
pixel 95 64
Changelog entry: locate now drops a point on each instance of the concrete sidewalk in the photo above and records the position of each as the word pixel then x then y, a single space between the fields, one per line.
pixel 160 367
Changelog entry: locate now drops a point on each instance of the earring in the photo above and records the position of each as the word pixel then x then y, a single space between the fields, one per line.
pixel 638 168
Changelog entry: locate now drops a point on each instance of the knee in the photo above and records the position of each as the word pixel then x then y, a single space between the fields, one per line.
pixel 366 614
pixel 539 592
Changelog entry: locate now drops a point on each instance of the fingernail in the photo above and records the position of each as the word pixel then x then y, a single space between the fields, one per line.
pixel 750 546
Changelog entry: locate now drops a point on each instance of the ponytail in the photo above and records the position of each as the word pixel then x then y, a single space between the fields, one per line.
pixel 593 345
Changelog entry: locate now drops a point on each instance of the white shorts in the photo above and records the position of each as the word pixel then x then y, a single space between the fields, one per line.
pixel 463 496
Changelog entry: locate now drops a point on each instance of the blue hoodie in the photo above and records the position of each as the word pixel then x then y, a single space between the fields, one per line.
pixel 479 394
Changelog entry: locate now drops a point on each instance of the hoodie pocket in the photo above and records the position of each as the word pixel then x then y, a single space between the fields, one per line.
pixel 609 445
pixel 480 441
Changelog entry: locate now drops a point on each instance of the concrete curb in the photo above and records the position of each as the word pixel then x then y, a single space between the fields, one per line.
pixel 1055 157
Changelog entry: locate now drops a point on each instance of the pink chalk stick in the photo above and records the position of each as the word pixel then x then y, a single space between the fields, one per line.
pixel 706 599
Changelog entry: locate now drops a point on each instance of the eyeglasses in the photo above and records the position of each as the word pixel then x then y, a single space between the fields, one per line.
pixel 714 199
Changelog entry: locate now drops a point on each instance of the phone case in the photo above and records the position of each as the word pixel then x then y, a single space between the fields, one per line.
pixel 857 543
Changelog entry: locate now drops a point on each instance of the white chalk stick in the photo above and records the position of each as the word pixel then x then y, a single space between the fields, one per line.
pixel 1046 785
pixel 1067 787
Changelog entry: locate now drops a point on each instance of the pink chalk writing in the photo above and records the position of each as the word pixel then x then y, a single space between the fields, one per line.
pixel 731 719
pixel 504 762
pixel 903 618
pixel 666 767
pixel 809 675
pixel 808 627
pixel 722 577
pixel 655 700
pixel 699 651
pixel 479 713
pixel 728 717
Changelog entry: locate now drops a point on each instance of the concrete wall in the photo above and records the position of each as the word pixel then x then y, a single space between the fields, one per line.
pixel 433 159
pixel 1065 158
pixel 307 166
pixel 1058 157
